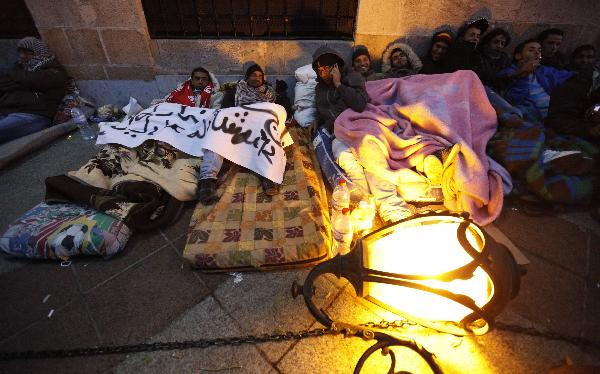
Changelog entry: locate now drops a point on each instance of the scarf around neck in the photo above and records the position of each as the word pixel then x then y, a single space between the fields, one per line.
pixel 246 94
pixel 41 53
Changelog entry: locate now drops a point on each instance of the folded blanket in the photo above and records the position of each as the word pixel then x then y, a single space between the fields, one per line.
pixel 247 229
pixel 141 205
pixel 412 117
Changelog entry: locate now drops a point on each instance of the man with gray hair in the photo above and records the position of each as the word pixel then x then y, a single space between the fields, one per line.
pixel 31 91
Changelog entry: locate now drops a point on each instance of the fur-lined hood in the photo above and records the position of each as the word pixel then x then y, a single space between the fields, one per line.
pixel 413 59
pixel 215 82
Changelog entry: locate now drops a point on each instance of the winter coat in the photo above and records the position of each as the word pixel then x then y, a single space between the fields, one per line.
pixel 569 102
pixel 517 91
pixel 414 62
pixel 332 101
pixel 184 94
pixel 463 55
pixel 430 66
pixel 558 61
pixel 36 92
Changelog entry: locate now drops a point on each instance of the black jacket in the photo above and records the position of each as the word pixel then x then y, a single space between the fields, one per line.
pixel 568 104
pixel 558 61
pixel 332 101
pixel 430 66
pixel 36 92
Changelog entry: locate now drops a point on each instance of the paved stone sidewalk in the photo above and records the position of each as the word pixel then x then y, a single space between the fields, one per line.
pixel 148 294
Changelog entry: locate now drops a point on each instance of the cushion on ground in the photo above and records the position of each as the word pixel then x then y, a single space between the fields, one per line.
pixel 59 231
pixel 18 148
pixel 247 230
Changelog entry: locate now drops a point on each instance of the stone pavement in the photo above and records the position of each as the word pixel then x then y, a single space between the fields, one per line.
pixel 149 294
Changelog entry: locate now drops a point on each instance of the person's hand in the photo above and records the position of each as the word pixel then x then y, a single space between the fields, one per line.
pixel 528 68
pixel 336 76
pixel 595 131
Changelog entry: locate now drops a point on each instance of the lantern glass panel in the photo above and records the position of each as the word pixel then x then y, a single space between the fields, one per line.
pixel 426 246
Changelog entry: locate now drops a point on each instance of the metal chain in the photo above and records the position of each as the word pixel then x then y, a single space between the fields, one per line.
pixel 258 339
pixel 549 335
pixel 166 346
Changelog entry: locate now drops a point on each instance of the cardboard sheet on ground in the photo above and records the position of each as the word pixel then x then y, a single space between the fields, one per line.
pixel 252 136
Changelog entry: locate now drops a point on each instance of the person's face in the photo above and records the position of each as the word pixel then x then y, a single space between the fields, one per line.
pixel 551 45
pixel 472 35
pixel 324 72
pixel 399 59
pixel 256 79
pixel 438 50
pixel 25 55
pixel 200 80
pixel 584 58
pixel 498 42
pixel 531 52
pixel 361 64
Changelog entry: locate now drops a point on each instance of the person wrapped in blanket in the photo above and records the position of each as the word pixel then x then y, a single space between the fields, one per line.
pixel 338 89
pixel 432 61
pixel 252 89
pixel 145 186
pixel 202 90
pixel 31 91
pixel 555 168
pixel 361 63
pixel 399 60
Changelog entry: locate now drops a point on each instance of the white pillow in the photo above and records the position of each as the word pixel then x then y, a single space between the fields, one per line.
pixel 305 73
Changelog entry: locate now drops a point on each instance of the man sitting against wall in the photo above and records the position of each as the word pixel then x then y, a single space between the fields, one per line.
pixel 551 41
pixel 252 89
pixel 338 89
pixel 31 91
pixel 201 90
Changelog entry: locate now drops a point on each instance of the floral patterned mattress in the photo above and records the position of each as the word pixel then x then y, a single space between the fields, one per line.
pixel 248 230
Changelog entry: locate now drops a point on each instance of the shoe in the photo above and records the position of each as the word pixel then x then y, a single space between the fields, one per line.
pixel 568 162
pixel 433 169
pixel 206 191
pixel 269 187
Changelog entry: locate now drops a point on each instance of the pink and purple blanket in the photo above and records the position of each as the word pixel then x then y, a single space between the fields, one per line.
pixel 412 117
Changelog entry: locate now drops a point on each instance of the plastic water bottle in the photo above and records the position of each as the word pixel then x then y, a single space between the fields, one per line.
pixel 342 233
pixel 340 198
pixel 85 130
pixel 362 216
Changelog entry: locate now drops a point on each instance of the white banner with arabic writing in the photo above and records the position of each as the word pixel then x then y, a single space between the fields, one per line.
pixel 252 136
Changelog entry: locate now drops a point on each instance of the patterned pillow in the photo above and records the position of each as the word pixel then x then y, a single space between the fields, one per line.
pixel 59 231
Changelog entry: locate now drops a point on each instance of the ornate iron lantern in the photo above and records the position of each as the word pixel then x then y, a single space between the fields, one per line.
pixel 439 270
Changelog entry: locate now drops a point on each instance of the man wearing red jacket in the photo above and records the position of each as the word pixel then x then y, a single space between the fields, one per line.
pixel 201 90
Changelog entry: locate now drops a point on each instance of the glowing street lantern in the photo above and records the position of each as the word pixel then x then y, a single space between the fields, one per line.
pixel 440 270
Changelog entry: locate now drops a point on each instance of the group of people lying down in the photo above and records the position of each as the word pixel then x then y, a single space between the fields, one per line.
pixel 492 124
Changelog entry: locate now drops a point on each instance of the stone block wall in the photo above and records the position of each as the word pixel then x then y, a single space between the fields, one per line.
pixel 414 21
pixel 108 40
pixel 97 39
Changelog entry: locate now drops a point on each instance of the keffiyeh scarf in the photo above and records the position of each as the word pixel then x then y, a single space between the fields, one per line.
pixel 41 53
pixel 246 94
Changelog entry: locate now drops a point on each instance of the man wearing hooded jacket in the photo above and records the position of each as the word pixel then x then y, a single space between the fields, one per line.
pixel 339 89
pixel 31 91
